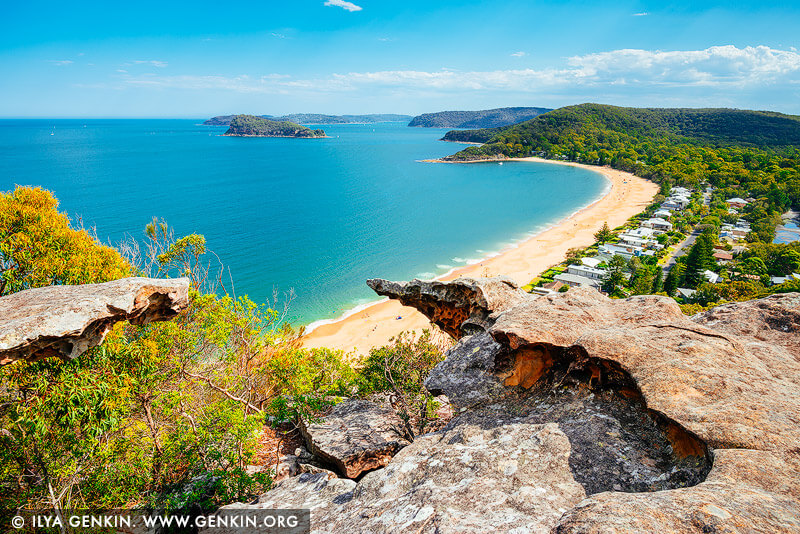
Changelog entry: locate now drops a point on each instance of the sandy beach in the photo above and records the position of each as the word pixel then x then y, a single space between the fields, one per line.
pixel 375 325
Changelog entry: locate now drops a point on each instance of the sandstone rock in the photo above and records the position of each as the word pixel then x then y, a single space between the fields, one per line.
pixel 458 307
pixel 773 320
pixel 467 376
pixel 320 492
pixel 288 466
pixel 65 321
pixel 357 436
pixel 579 413
pixel 709 382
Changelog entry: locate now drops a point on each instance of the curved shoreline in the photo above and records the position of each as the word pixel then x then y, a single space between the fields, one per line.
pixel 374 325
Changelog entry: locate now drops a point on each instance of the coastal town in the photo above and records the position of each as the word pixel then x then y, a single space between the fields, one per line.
pixel 660 241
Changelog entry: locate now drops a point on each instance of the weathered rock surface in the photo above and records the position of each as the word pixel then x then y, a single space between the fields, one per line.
pixel 356 437
pixel 467 376
pixel 459 307
pixel 65 321
pixel 579 413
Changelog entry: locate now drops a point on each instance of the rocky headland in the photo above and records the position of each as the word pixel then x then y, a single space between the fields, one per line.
pixel 577 413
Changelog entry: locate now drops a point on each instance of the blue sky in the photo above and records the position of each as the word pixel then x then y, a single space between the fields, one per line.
pixel 182 59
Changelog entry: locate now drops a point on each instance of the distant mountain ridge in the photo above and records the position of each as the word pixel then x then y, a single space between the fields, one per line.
pixel 487 118
pixel 317 118
pixel 252 126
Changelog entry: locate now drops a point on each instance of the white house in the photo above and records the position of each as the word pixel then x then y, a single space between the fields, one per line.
pixel 657 224
pixel 675 203
pixel 663 214
pixel 711 276
pixel 588 272
pixel 626 251
pixel 685 292
pixel 574 280
pixel 643 233
pixel 635 241
pixel 591 262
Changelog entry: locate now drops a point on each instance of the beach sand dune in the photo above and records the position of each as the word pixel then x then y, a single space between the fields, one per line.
pixel 375 325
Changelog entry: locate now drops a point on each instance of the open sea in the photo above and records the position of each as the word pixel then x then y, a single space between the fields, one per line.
pixel 313 216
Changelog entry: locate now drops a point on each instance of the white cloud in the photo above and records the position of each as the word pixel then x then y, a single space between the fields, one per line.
pixel 278 35
pixel 349 6
pixel 717 65
pixel 519 54
pixel 727 68
pixel 642 14
pixel 60 62
pixel 153 62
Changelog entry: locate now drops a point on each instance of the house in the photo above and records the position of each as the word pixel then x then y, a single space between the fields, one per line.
pixel 658 224
pixel 775 280
pixel 680 191
pixel 675 203
pixel 553 286
pixel 635 241
pixel 736 202
pixel 644 233
pixel 663 214
pixel 574 280
pixel 685 292
pixel 591 262
pixel 722 257
pixel 711 276
pixel 589 272
pixel 626 251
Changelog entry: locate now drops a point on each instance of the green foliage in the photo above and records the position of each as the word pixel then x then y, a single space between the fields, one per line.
pixel 166 414
pixel 699 259
pixel 38 246
pixel 401 368
pixel 672 281
pixel 615 277
pixel 603 234
pixel 250 125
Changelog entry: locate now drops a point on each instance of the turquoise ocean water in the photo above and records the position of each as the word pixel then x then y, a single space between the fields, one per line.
pixel 316 216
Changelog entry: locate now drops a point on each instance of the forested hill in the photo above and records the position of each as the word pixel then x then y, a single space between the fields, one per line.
pixel 252 126
pixel 488 118
pixel 752 153
pixel 316 118
pixel 594 122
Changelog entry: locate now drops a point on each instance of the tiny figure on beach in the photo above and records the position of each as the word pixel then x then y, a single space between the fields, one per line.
pixel 398 317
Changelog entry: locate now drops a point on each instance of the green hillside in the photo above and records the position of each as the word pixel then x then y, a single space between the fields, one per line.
pixel 751 152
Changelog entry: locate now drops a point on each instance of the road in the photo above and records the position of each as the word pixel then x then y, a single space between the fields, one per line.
pixel 680 250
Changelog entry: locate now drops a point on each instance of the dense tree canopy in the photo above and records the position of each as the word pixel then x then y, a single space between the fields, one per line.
pixel 743 153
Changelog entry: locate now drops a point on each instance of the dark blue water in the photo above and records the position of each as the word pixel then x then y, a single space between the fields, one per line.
pixel 317 216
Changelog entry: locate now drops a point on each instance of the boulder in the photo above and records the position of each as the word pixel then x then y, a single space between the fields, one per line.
pixel 356 436
pixel 64 321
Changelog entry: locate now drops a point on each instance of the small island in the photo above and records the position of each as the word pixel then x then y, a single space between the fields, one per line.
pixel 252 126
